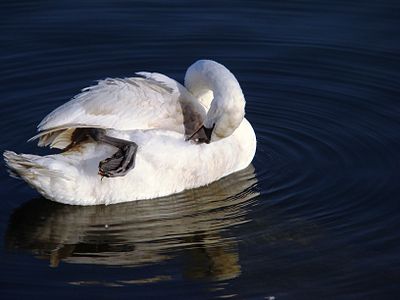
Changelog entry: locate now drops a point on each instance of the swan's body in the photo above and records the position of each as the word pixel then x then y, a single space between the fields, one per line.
pixel 158 114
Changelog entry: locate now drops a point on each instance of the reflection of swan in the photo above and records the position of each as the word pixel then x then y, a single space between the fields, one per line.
pixel 194 224
pixel 148 120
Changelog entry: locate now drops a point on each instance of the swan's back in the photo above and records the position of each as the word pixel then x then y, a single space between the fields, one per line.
pixel 154 101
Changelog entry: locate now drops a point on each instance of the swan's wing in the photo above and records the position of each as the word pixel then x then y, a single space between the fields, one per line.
pixel 153 101
pixel 123 104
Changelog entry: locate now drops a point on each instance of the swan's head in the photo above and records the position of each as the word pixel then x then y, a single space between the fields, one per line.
pixel 224 116
pixel 226 110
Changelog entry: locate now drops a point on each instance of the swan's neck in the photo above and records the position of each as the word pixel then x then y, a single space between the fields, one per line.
pixel 219 91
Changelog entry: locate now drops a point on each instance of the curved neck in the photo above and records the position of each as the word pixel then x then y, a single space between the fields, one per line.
pixel 207 79
pixel 225 103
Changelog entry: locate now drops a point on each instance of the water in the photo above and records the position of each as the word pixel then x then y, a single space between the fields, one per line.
pixel 315 217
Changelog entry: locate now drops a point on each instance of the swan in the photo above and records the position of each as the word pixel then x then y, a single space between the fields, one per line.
pixel 141 137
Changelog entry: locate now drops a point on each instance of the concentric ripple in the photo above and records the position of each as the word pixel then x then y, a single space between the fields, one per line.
pixel 316 216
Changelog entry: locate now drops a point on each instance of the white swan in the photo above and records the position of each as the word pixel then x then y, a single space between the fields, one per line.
pixel 156 115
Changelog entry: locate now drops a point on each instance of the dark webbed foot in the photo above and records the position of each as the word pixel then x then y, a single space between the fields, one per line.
pixel 122 161
pixel 111 163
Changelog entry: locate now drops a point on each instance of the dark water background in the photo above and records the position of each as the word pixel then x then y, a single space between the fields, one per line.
pixel 316 216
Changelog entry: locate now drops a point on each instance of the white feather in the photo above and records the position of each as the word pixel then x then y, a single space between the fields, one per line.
pixel 125 104
pixel 148 111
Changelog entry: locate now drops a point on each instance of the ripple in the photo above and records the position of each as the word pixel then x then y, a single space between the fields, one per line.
pixel 316 218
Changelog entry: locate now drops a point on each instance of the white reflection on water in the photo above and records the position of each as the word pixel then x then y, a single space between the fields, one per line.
pixel 139 233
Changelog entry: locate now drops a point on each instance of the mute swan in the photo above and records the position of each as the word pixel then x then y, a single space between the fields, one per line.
pixel 168 138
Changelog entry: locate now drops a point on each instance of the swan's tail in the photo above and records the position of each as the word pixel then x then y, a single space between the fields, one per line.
pixel 36 171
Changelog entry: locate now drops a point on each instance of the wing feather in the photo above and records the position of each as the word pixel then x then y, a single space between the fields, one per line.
pixel 151 101
pixel 123 104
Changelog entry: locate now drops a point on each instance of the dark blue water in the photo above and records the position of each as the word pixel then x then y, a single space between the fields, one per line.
pixel 316 216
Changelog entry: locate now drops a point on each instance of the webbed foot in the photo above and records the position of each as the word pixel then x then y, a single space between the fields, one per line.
pixel 120 163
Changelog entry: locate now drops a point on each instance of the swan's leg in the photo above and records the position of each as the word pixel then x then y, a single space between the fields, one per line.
pixel 122 161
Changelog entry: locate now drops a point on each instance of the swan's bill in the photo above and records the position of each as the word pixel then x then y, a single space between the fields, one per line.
pixel 202 135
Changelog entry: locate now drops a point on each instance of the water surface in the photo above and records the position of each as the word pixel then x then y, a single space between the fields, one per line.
pixel 316 215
